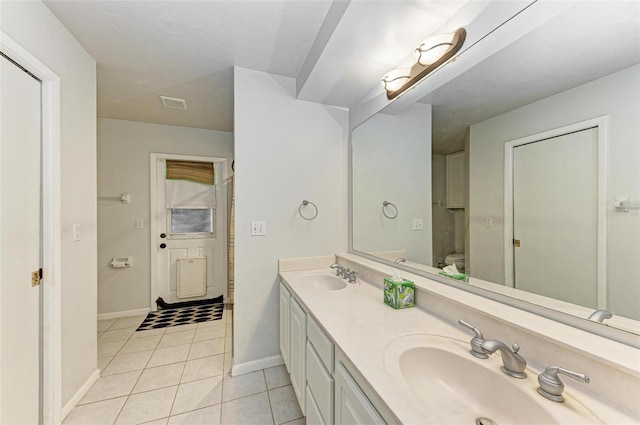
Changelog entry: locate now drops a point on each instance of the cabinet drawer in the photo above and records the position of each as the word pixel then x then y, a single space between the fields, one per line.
pixel 313 413
pixel 320 384
pixel 322 343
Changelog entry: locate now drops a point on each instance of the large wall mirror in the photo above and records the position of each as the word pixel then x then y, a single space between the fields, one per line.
pixel 524 171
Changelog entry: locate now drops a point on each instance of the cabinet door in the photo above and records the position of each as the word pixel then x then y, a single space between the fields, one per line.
pixel 456 180
pixel 352 406
pixel 297 348
pixel 285 296
pixel 319 383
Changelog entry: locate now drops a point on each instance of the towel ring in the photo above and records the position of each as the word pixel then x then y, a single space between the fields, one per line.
pixel 386 204
pixel 304 204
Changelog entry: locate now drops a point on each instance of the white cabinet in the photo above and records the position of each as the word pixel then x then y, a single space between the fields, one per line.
pixel 297 350
pixel 352 407
pixel 285 296
pixel 456 180
pixel 319 384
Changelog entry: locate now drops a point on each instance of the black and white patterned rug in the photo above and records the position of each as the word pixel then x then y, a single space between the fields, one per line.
pixel 182 316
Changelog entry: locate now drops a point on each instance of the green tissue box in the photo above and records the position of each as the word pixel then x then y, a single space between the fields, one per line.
pixel 463 277
pixel 399 294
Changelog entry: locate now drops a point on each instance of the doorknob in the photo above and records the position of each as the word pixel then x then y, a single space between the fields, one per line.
pixel 163 245
pixel 163 235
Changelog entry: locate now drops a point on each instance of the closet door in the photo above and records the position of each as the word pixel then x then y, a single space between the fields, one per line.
pixel 20 223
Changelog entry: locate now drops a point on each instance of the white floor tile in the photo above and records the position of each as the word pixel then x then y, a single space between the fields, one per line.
pixel 210 347
pixel 178 338
pixel 198 394
pixel 253 410
pixel 100 413
pixel 162 421
pixel 127 363
pixel 211 324
pixel 128 322
pixel 181 328
pixel 103 325
pixel 150 332
pixel 213 332
pixel 117 335
pixel 140 344
pixel 109 349
pixel 277 377
pixel 205 367
pixel 284 405
pixel 111 387
pixel 103 362
pixel 163 356
pixel 243 385
pixel 146 407
pixel 301 421
pixel 207 416
pixel 159 377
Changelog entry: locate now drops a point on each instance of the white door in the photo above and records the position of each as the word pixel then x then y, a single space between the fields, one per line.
pixel 189 232
pixel 20 138
pixel 555 193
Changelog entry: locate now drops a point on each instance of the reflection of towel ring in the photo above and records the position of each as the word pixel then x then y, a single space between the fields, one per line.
pixel 304 204
pixel 386 204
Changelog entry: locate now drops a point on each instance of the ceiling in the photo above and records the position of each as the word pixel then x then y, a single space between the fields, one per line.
pixel 187 49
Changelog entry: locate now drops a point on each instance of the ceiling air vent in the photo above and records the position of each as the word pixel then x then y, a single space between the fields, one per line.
pixel 175 103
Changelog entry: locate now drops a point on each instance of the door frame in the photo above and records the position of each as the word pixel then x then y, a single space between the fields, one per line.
pixel 51 384
pixel 153 226
pixel 601 123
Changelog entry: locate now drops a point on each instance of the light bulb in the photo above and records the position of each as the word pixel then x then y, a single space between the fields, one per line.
pixel 433 48
pixel 395 79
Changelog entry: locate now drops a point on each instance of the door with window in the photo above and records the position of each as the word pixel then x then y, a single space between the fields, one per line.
pixel 189 228
pixel 20 248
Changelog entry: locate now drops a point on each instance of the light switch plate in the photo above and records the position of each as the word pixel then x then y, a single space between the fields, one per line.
pixel 139 223
pixel 417 224
pixel 76 232
pixel 258 228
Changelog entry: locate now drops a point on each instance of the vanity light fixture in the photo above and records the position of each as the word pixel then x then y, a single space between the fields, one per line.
pixel 430 54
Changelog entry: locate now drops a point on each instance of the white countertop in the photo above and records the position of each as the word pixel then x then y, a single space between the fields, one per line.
pixel 363 327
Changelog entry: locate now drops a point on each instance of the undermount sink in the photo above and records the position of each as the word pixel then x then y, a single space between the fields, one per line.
pixel 439 376
pixel 324 282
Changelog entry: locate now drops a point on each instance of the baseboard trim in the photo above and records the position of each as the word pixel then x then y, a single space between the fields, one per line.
pixel 67 408
pixel 126 313
pixel 252 366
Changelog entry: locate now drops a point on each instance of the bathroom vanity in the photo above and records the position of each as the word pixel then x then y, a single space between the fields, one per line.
pixel 352 359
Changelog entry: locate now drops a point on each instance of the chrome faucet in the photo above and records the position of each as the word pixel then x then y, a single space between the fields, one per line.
pixel 513 363
pixel 551 386
pixel 600 315
pixel 340 271
pixel 401 260
pixel 476 341
pixel 350 275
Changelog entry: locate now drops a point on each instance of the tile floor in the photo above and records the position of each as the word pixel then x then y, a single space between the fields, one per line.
pixel 180 376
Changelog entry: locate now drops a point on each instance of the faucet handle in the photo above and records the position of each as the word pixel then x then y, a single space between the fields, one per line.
pixel 551 386
pixel 476 341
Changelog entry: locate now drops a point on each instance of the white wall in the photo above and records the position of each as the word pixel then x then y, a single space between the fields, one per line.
pixel 286 150
pixel 392 162
pixel 124 149
pixel 616 96
pixel 35 28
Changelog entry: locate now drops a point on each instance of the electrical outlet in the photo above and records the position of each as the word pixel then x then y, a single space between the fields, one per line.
pixel 417 224
pixel 258 228
pixel 76 232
